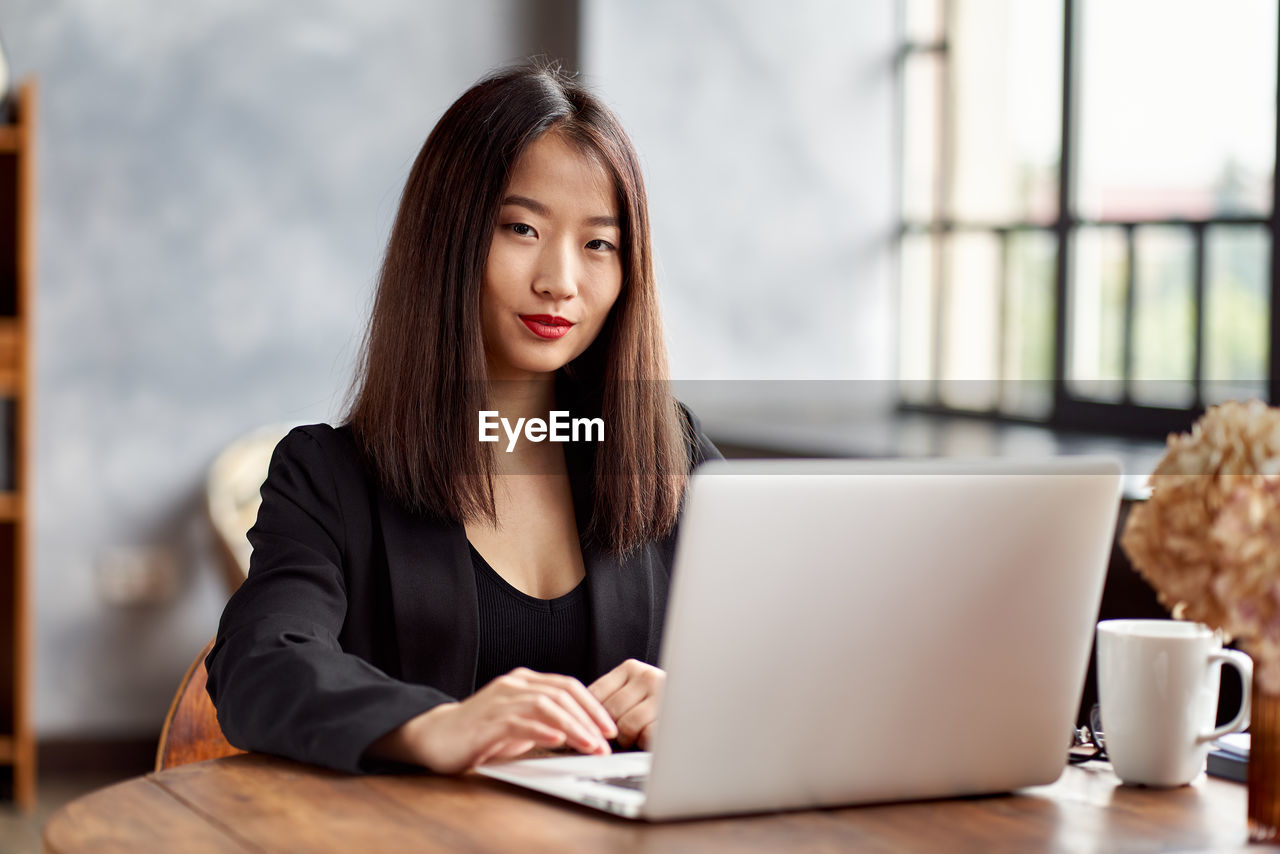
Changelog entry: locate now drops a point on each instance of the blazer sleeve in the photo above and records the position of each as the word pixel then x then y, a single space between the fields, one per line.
pixel 278 676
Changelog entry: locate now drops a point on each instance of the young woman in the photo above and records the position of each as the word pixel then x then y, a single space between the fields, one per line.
pixel 420 593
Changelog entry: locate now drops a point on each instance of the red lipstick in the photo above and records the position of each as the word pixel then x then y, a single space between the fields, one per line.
pixel 547 325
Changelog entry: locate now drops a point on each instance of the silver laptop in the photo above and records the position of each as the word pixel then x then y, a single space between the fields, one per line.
pixel 854 632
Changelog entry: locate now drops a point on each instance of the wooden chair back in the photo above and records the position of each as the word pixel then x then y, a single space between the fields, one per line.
pixel 191 732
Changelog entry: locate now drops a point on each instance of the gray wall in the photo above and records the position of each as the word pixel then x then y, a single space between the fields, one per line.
pixel 217 178
pixel 216 183
pixel 766 132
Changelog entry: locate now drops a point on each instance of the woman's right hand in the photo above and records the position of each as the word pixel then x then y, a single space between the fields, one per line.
pixel 514 713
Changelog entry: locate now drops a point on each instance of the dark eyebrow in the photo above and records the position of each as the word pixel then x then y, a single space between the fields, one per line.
pixel 542 210
pixel 525 202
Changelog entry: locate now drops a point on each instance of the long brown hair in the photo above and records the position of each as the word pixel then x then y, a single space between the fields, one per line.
pixel 415 395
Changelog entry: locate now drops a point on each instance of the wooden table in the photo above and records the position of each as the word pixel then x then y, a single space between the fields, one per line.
pixel 259 803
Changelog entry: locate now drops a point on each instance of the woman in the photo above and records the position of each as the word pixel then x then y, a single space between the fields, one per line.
pixel 403 560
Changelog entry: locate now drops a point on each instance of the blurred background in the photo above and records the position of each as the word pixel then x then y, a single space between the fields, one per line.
pixel 883 226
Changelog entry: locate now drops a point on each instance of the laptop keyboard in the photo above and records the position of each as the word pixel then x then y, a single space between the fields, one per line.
pixel 630 781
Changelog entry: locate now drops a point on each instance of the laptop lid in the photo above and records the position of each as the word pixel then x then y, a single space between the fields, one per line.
pixel 845 632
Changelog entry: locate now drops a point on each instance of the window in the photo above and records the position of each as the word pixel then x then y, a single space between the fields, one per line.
pixel 1088 209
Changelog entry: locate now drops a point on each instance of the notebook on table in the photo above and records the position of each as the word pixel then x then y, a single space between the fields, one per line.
pixel 846 632
pixel 1229 757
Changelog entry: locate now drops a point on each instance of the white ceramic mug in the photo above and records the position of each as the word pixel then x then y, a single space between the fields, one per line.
pixel 1158 688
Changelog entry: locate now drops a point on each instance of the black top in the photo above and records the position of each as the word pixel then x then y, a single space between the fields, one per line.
pixel 519 630
pixel 359 614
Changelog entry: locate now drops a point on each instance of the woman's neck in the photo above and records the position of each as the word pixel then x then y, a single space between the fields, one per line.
pixel 517 401
pixel 532 396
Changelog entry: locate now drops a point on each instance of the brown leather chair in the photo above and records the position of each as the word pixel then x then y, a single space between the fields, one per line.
pixel 191 732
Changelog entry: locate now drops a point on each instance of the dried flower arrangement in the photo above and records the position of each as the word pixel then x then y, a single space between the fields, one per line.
pixel 1208 539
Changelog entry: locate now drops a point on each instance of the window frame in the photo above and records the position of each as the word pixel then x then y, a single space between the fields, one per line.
pixel 1067 410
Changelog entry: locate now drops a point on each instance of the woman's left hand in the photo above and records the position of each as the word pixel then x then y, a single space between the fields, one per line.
pixel 631 694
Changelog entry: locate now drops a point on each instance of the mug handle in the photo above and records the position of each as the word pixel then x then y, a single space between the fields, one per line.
pixel 1244 664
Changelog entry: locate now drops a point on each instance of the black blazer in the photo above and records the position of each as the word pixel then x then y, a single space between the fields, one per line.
pixel 358 614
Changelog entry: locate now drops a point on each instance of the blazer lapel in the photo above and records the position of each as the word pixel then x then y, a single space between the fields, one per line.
pixel 622 606
pixel 433 598
pixel 433 594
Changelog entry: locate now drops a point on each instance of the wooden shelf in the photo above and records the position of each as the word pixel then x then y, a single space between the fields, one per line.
pixel 10 341
pixel 11 349
pixel 10 139
pixel 17 260
pixel 10 507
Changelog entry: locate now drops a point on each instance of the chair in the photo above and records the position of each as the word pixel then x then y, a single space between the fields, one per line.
pixel 233 493
pixel 191 732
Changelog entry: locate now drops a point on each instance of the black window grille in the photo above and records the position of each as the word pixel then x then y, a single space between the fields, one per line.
pixel 1174 303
